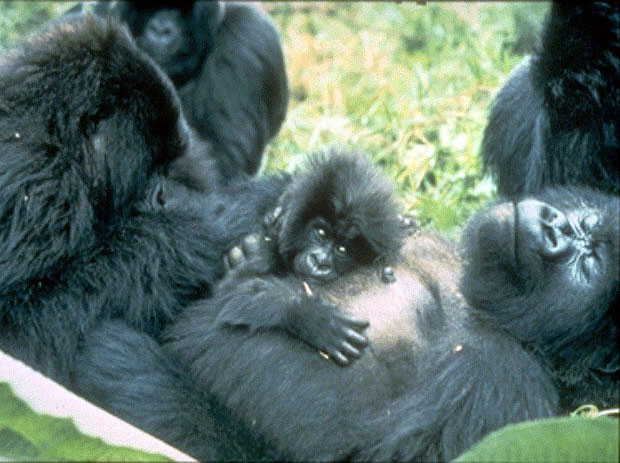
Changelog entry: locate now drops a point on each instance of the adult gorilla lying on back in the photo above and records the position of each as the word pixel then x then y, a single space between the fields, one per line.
pixel 524 327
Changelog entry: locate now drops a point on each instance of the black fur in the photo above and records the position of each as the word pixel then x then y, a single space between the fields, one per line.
pixel 530 339
pixel 349 193
pixel 89 127
pixel 342 187
pixel 557 118
pixel 229 71
pixel 366 207
pixel 160 391
pixel 336 215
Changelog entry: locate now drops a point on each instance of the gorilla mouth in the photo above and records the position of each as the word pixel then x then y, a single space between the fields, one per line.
pixel 307 268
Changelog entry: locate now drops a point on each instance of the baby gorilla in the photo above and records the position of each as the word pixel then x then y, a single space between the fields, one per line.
pixel 337 215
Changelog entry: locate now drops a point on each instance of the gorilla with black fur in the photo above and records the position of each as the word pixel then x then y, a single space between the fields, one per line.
pixel 521 325
pixel 91 131
pixel 335 214
pixel 89 128
pixel 97 223
pixel 226 62
pixel 557 118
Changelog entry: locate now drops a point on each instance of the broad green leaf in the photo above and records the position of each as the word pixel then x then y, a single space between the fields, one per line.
pixel 562 440
pixel 27 435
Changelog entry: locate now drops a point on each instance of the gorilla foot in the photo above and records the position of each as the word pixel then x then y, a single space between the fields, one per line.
pixel 253 256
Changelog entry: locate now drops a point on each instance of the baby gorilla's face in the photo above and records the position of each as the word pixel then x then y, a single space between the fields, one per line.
pixel 326 252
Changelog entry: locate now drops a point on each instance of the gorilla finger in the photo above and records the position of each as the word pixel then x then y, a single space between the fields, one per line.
pixel 272 216
pixel 349 350
pixel 387 275
pixel 339 358
pixel 235 256
pixel 356 338
pixel 251 244
pixel 357 325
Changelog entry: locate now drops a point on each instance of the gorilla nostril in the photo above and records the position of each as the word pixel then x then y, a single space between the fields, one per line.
pixel 551 216
pixel 550 234
pixel 554 241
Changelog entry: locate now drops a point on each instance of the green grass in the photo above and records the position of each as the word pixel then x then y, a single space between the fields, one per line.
pixel 409 84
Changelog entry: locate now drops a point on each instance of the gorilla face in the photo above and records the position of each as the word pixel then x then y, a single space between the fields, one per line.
pixel 340 212
pixel 560 259
pixel 328 252
pixel 176 35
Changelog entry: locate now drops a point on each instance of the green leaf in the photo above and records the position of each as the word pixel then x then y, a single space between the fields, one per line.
pixel 562 440
pixel 27 435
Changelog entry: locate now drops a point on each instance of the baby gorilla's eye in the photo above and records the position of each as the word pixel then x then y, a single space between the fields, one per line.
pixel 321 233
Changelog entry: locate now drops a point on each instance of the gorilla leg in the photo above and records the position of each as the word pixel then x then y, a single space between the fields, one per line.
pixel 129 374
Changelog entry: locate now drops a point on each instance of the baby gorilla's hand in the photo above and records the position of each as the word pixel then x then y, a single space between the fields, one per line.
pixel 319 323
pixel 265 303
pixel 272 223
pixel 253 256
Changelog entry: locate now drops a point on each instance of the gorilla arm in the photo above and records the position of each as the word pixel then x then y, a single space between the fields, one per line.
pixel 240 97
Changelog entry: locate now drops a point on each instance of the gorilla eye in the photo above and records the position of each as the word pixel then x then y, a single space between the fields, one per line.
pixel 321 233
pixel 341 249
pixel 589 223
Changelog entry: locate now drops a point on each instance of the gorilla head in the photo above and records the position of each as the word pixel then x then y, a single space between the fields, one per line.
pixel 555 287
pixel 337 213
pixel 81 136
pixel 177 35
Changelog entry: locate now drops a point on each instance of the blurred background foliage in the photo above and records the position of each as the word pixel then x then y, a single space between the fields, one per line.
pixel 410 84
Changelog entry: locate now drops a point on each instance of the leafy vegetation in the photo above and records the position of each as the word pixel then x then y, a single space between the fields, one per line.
pixel 407 83
pixel 551 440
pixel 28 435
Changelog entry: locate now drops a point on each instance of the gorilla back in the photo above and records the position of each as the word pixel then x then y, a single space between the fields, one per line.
pixel 89 126
pixel 557 118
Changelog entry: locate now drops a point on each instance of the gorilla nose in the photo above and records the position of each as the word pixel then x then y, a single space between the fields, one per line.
pixel 319 260
pixel 547 227
pixel 161 31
